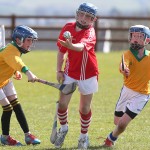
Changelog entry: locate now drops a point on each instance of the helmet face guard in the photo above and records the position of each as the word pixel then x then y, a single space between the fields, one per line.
pixel 86 15
pixel 142 34
pixel 24 32
pixel 23 49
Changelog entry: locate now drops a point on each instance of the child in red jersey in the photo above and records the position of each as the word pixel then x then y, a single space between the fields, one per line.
pixel 81 67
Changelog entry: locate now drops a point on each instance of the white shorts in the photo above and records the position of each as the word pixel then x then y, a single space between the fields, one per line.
pixel 134 101
pixel 7 90
pixel 85 87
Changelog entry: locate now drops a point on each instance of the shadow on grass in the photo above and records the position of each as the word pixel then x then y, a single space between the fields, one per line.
pixel 99 147
pixel 75 148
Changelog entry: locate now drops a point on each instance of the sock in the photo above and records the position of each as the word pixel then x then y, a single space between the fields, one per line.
pixel 64 127
pixel 82 136
pixel 20 115
pixel 111 137
pixel 62 116
pixel 5 136
pixel 5 119
pixel 26 134
pixel 85 120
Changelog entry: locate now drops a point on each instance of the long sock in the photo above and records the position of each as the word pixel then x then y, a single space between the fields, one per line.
pixel 85 120
pixel 112 138
pixel 20 115
pixel 5 119
pixel 63 116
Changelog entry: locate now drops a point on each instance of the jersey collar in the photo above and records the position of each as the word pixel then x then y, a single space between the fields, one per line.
pixel 135 53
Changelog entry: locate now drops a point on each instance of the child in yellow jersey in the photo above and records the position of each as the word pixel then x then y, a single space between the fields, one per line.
pixel 136 90
pixel 11 64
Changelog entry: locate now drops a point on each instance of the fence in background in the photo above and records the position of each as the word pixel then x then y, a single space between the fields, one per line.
pixel 2 36
pixel 111 32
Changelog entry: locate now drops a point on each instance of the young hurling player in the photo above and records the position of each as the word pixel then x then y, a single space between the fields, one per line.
pixel 136 91
pixel 81 67
pixel 11 64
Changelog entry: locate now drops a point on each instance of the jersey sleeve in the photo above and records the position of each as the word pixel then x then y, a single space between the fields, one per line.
pixel 15 62
pixel 60 47
pixel 89 39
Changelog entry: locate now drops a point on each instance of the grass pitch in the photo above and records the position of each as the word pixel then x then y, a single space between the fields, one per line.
pixel 38 102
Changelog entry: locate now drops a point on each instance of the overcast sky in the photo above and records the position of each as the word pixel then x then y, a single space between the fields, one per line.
pixel 31 7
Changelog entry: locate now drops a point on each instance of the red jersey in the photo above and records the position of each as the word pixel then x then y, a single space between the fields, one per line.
pixel 80 65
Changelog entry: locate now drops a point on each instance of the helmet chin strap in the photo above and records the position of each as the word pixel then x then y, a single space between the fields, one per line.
pixel 22 50
pixel 81 26
pixel 136 46
pixel 21 43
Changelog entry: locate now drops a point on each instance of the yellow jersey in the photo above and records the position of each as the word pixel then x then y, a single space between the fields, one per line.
pixel 10 61
pixel 139 77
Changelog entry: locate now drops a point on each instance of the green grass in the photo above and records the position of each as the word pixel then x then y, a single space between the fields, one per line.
pixel 38 102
